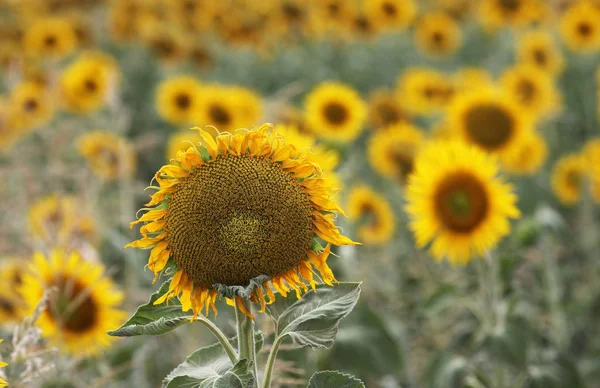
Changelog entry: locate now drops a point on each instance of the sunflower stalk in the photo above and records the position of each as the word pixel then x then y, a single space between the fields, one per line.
pixel 245 332
pixel 553 291
pixel 220 336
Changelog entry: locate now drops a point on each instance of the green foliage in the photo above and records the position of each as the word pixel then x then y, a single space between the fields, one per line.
pixel 331 379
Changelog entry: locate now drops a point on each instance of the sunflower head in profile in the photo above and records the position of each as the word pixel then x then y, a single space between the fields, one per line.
pixel 51 37
pixel 540 49
pixel 392 151
pixel 236 215
pixel 108 155
pixel 580 27
pixel 528 157
pixel 82 304
pixel 532 88
pixel 385 109
pixel 457 202
pixel 372 214
pixel 178 98
pixel 392 14
pixel 425 91
pixel 569 176
pixel 490 120
pixel 438 34
pixel 335 111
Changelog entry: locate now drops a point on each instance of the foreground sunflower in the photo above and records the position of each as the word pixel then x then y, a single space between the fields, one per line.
pixel 83 306
pixel 457 201
pixel 237 213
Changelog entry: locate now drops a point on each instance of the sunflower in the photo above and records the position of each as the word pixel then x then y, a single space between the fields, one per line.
pixel 373 215
pixel 108 155
pixel 424 91
pixel 178 99
pixel 259 206
pixel 3 383
pixel 201 55
pixel 83 306
pixel 326 158
pixel 532 88
pixel 529 157
pixel 167 43
pixel 180 141
pixel 88 81
pixel 12 308
pixel 392 151
pixel 457 202
pixel 591 152
pixel 580 27
pixel 335 111
pixel 392 14
pixel 489 119
pixel 539 48
pixel 221 108
pixel 49 37
pixel 363 26
pixel 468 79
pixel 568 178
pixel 249 104
pixel 385 110
pixel 500 13
pixel 30 106
pixel 438 34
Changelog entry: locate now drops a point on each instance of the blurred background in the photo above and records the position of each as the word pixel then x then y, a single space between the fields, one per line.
pixel 95 96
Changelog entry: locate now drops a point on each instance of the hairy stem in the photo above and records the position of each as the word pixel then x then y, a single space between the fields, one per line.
pixel 245 331
pixel 271 362
pixel 221 338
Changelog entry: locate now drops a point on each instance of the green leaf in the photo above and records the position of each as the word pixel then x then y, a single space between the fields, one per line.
pixel 509 344
pixel 334 379
pixel 313 320
pixel 154 320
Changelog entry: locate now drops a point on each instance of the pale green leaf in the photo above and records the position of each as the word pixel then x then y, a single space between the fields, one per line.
pixel 334 379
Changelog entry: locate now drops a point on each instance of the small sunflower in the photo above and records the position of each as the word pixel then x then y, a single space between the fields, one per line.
pixel 532 88
pixel 363 26
pixel 468 79
pixel 385 110
pixel 178 99
pixel 540 49
pixel 180 141
pixel 500 13
pixel 258 207
pixel 457 201
pixel 438 34
pixel 580 27
pixel 165 41
pixel 87 82
pixel 392 14
pixel 108 155
pixel 12 308
pixel 392 151
pixel 220 108
pixel 373 214
pixel 51 37
pixel 335 111
pixel 490 120
pixel 30 105
pixel 249 104
pixel 83 306
pixel 568 178
pixel 529 157
pixel 424 91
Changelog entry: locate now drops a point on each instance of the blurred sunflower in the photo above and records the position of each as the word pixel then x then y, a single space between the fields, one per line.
pixel 392 151
pixel 393 14
pixel 260 204
pixel 3 382
pixel 30 105
pixel 424 91
pixel 580 27
pixel 82 308
pixel 457 202
pixel 220 108
pixel 249 104
pixel 385 110
pixel 591 152
pixel 529 157
pixel 12 308
pixel 51 37
pixel 108 155
pixel 438 34
pixel 500 13
pixel 326 158
pixel 290 115
pixel 167 43
pixel 568 178
pixel 373 214
pixel 532 88
pixel 489 120
pixel 178 99
pixel 88 81
pixel 539 48
pixel 201 55
pixel 363 26
pixel 468 79
pixel 335 111
pixel 11 272
pixel 180 141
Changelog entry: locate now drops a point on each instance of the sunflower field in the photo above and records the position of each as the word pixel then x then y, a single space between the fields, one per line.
pixel 300 193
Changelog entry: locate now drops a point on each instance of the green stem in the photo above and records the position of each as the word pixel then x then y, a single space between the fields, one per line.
pixel 245 331
pixel 221 338
pixel 553 290
pixel 271 362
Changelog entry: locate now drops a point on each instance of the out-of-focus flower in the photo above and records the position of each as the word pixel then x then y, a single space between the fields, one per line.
pixel 568 178
pixel 108 155
pixel 424 91
pixel 178 99
pixel 385 109
pixel 373 215
pixel 392 14
pixel 50 37
pixel 539 48
pixel 494 14
pixel 580 27
pixel 533 89
pixel 30 106
pixel 438 34
pixel 529 157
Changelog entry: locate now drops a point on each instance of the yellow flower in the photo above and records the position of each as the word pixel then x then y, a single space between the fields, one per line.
pixel 385 110
pixel 468 79
pixel 249 104
pixel 165 41
pixel 457 202
pixel 490 120
pixel 30 106
pixel 87 82
pixel 363 26
pixel 3 383
pixel 49 37
pixel 568 178
pixel 12 308
pixel 438 34
pixel 178 99
pixel 180 141
pixel 529 157
pixel 532 88
pixel 83 306
pixel 539 48
pixel 499 13
pixel 424 91
pixel 326 158
pixel 580 27
pixel 259 206
pixel 335 111
pixel 591 152
pixel 223 108
pixel 373 214
pixel 108 155
pixel 392 151
pixel 392 14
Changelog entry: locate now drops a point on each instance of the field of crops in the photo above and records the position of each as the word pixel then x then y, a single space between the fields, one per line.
pixel 300 193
